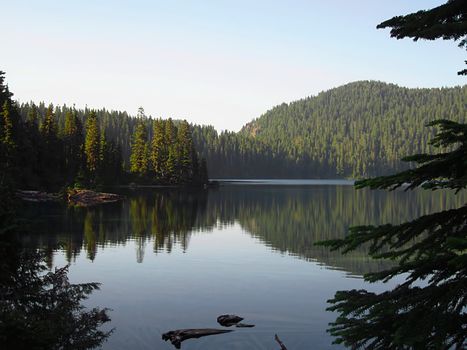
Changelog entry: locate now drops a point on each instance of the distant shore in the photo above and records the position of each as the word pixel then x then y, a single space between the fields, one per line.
pixel 86 198
pixel 286 182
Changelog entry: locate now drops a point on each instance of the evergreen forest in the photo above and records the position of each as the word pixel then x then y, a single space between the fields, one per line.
pixel 47 147
pixel 356 130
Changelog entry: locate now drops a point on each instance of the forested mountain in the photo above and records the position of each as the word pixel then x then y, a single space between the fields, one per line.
pixel 359 129
pixel 356 130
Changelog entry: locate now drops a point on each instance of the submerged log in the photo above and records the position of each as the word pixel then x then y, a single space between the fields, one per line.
pixel 87 198
pixel 178 336
pixel 231 320
pixel 244 325
pixel 279 342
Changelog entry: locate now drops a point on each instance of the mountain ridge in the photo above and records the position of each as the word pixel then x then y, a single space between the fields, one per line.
pixel 333 127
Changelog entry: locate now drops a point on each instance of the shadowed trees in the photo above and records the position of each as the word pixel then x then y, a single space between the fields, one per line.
pixel 430 252
pixel 48 148
pixel 73 145
pixel 39 308
pixel 43 310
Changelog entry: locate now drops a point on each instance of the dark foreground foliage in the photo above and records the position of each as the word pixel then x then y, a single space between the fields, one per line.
pixel 40 309
pixel 428 309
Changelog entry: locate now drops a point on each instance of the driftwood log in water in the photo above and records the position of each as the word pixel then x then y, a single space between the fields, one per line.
pixel 279 342
pixel 176 337
pixel 231 320
pixel 87 198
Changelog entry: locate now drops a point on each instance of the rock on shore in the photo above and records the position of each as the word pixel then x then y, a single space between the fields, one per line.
pixel 87 198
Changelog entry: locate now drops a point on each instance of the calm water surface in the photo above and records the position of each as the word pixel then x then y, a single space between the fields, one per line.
pixel 171 259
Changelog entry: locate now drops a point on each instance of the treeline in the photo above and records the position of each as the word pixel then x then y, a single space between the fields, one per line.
pixel 52 148
pixel 356 130
pixel 236 155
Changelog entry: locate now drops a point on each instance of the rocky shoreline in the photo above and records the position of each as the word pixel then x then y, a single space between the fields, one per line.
pixel 77 197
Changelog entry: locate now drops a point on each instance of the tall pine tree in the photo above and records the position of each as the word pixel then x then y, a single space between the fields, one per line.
pixel 139 159
pixel 184 147
pixel 30 152
pixel 158 151
pixel 51 159
pixel 9 146
pixel 92 147
pixel 73 143
pixel 171 164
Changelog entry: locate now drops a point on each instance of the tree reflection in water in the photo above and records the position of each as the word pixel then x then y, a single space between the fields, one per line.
pixel 39 308
pixel 288 219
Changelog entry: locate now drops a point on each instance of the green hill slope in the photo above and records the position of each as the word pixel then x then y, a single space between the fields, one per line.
pixel 359 129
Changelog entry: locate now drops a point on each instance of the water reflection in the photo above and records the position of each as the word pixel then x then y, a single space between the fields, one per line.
pixel 287 219
pixel 39 307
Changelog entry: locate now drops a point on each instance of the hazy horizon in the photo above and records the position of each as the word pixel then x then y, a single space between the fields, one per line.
pixel 210 63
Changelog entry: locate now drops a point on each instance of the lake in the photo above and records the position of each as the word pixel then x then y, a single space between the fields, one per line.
pixel 171 259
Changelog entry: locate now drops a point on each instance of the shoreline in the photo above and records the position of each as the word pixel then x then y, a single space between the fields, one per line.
pixel 74 197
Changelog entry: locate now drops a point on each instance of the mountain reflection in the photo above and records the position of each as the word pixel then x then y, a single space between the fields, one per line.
pixel 288 220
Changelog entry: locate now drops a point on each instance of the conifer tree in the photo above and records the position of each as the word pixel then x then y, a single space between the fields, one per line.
pixel 104 157
pixel 8 125
pixel 171 165
pixel 117 167
pixel 32 118
pixel 103 148
pixel 51 151
pixel 30 152
pixel 73 144
pixel 139 160
pixel 5 94
pixel 195 165
pixel 49 127
pixel 158 151
pixel 184 146
pixel 203 171
pixel 447 22
pixel 9 145
pixel 110 168
pixel 92 146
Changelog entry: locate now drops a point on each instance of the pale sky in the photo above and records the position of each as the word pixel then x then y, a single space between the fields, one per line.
pixel 211 62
